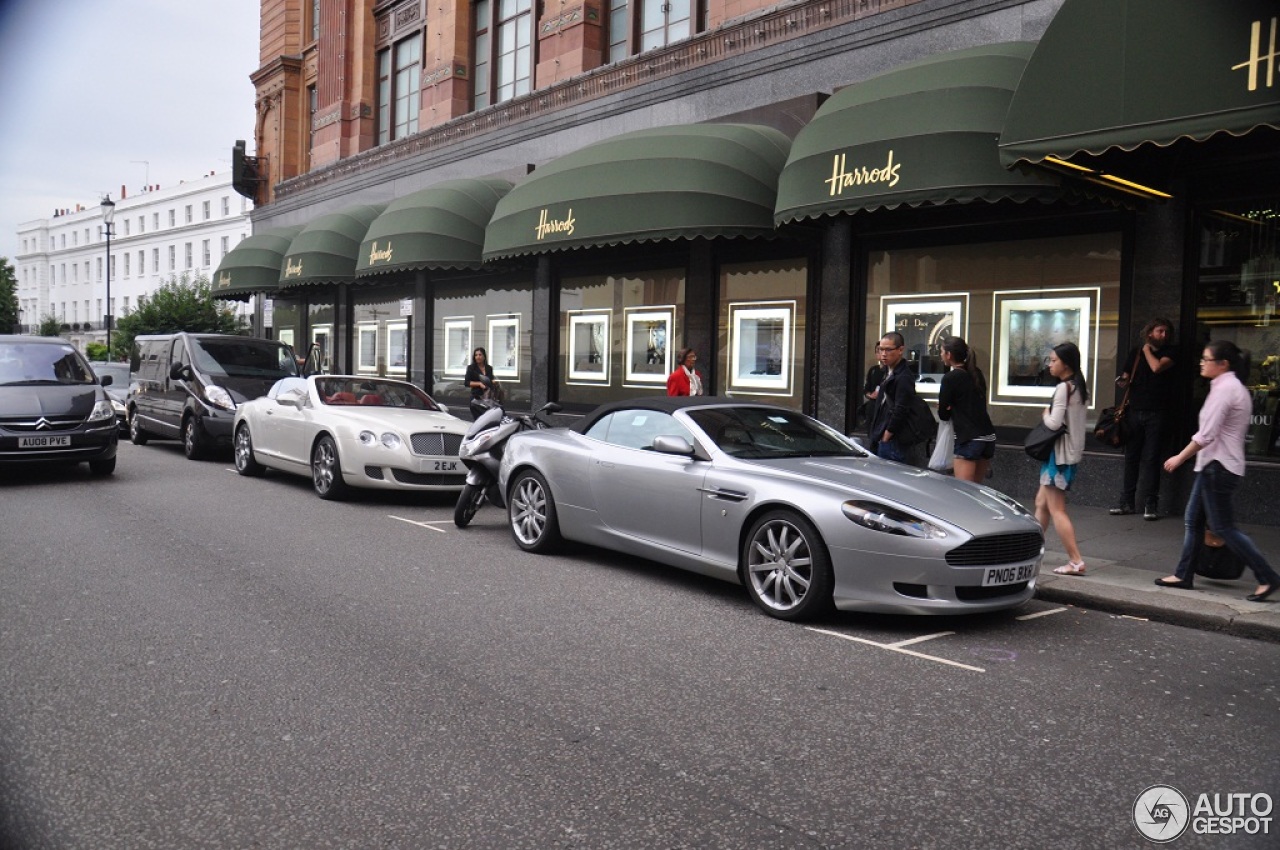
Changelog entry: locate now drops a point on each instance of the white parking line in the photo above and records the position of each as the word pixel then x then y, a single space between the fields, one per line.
pixel 910 641
pixel 898 648
pixel 422 524
pixel 1041 614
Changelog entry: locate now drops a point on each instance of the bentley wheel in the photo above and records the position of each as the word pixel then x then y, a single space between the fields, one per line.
pixel 469 501
pixel 326 470
pixel 137 436
pixel 245 464
pixel 787 568
pixel 533 514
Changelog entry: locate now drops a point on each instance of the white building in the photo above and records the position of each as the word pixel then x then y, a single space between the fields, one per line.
pixel 156 236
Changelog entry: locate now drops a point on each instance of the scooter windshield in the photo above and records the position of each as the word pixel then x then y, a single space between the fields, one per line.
pixel 488 419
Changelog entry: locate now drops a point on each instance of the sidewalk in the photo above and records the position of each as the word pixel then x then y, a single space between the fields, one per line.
pixel 1126 554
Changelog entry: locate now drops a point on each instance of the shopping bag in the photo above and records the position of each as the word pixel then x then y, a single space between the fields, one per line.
pixel 944 451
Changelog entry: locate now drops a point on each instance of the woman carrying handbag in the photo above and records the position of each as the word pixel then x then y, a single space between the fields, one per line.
pixel 1069 404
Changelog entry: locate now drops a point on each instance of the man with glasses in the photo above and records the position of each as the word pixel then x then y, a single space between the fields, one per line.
pixel 890 433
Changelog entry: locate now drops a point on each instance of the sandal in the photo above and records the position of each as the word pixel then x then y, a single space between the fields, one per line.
pixel 1072 569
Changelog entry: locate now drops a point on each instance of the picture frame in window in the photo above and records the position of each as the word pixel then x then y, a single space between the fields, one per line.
pixel 367 348
pixel 648 345
pixel 504 345
pixel 397 346
pixel 761 347
pixel 589 346
pixel 322 338
pixel 457 345
pixel 1025 326
pixel 925 321
pixel 285 335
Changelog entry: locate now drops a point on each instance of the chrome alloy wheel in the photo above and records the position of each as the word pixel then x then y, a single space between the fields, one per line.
pixel 326 470
pixel 529 511
pixel 788 571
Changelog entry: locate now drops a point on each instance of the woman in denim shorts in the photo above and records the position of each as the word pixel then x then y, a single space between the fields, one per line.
pixel 962 398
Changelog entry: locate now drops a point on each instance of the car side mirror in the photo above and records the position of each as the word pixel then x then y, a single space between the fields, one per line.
pixel 180 371
pixel 670 444
pixel 106 380
pixel 292 398
pixel 444 408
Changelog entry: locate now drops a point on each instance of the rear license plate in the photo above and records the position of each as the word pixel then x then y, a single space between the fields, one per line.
pixel 995 576
pixel 43 442
pixel 444 466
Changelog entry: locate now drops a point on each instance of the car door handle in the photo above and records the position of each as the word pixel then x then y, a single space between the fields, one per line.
pixel 727 495
pixel 605 464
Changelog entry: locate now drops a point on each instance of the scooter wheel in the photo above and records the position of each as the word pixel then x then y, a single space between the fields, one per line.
pixel 469 501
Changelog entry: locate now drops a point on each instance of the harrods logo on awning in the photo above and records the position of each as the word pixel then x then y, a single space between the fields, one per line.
pixel 553 225
pixel 842 179
pixel 376 256
pixel 1258 59
pixel 224 280
pixel 291 270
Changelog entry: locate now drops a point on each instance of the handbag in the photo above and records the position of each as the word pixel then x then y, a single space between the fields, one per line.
pixel 1111 430
pixel 921 427
pixel 1039 443
pixel 943 457
pixel 1217 561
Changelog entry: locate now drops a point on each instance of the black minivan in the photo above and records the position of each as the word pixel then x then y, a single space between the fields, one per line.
pixel 52 408
pixel 187 386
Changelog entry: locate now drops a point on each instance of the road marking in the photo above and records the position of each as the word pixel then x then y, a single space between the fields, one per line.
pixel 897 648
pixel 910 641
pixel 422 524
pixel 1041 614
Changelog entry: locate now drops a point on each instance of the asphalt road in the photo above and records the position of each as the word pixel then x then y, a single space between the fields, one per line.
pixel 191 659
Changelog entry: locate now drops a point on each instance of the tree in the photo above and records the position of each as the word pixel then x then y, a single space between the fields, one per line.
pixel 179 304
pixel 8 296
pixel 50 325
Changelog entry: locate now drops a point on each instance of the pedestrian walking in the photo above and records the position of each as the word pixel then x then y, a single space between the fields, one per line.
pixel 479 379
pixel 962 399
pixel 685 379
pixel 1218 447
pixel 890 432
pixel 1068 406
pixel 1149 379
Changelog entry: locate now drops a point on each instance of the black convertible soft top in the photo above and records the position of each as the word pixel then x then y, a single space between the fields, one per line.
pixel 663 403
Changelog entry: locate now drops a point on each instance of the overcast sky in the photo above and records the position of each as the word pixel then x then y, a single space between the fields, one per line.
pixel 99 93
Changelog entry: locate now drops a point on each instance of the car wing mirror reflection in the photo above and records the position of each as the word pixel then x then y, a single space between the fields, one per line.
pixel 292 398
pixel 670 444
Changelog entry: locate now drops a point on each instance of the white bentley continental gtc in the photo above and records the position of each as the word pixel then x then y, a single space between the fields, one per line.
pixel 351 431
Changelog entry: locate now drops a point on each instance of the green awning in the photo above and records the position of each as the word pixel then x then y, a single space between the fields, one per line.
pixel 924 133
pixel 440 227
pixel 325 250
pixel 1123 73
pixel 254 265
pixel 680 182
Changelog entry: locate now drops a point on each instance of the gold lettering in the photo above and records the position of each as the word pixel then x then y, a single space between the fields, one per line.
pixel 1266 60
pixel 224 280
pixel 547 225
pixel 291 270
pixel 842 179
pixel 376 256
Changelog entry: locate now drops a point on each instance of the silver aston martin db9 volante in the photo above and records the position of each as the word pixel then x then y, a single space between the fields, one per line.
pixel 772 499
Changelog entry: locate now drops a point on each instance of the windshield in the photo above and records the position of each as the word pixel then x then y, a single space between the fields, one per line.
pixel 243 358
pixel 763 432
pixel 373 392
pixel 42 363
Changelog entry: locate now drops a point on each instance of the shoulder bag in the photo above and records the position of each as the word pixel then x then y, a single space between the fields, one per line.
pixel 1111 430
pixel 1039 443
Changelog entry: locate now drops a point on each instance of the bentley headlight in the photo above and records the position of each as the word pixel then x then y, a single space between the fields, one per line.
pixel 219 397
pixel 391 441
pixel 388 439
pixel 890 520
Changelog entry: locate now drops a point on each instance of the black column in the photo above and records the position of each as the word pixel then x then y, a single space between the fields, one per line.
pixel 831 353
pixel 543 327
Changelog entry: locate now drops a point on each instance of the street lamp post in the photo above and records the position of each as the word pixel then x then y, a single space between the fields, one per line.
pixel 108 215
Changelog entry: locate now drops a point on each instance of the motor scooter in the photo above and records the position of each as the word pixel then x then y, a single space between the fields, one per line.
pixel 481 452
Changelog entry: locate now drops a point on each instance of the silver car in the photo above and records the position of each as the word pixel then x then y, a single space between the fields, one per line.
pixel 775 500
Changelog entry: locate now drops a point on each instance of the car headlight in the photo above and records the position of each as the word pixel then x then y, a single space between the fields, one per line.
pixel 890 520
pixel 219 397
pixel 102 410
pixel 1012 503
pixel 388 439
pixel 117 407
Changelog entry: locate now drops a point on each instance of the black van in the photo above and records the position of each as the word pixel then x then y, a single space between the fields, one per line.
pixel 187 385
pixel 52 408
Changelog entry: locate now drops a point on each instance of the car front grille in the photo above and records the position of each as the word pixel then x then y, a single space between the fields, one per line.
pixel 435 444
pixel 429 479
pixel 51 424
pixel 374 472
pixel 997 549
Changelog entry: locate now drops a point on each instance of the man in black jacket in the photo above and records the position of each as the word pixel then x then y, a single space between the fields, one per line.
pixel 891 435
pixel 1151 387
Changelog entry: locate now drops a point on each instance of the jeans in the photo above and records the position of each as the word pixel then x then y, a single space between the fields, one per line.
pixel 1210 504
pixel 912 455
pixel 1142 463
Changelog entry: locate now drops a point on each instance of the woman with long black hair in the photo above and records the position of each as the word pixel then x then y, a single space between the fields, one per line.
pixel 962 399
pixel 1068 406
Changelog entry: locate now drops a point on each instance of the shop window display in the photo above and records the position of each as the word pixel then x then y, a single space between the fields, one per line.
pixel 382 333
pixel 1012 301
pixel 482 315
pixel 762 330
pixel 1238 299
